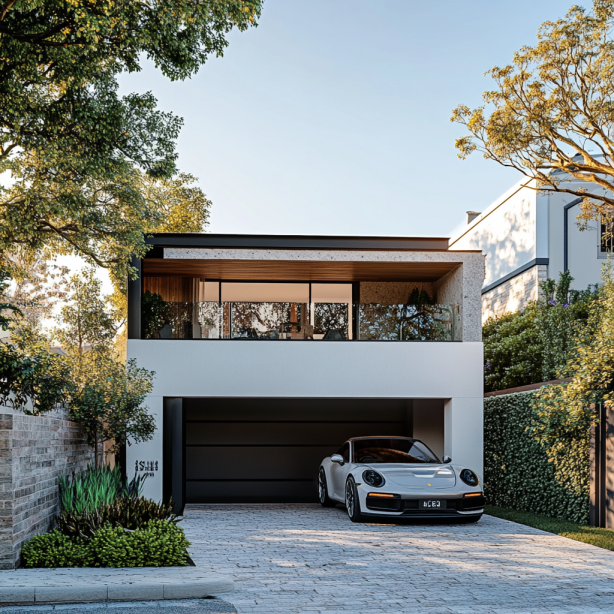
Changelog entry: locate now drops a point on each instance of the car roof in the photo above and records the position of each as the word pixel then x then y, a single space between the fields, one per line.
pixel 381 437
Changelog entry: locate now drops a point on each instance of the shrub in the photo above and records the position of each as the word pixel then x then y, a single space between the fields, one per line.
pixel 533 345
pixel 55 550
pixel 157 544
pixel 522 474
pixel 127 512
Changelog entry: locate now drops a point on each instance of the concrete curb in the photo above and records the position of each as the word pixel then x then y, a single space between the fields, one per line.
pixel 82 592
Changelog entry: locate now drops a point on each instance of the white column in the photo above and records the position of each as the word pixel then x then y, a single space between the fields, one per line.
pixel 145 458
pixel 464 432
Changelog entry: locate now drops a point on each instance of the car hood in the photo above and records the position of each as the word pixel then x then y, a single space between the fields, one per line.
pixel 417 476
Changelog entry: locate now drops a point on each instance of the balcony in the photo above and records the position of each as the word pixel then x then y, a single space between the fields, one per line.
pixel 285 320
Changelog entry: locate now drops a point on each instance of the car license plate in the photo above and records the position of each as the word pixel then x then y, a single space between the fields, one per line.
pixel 432 504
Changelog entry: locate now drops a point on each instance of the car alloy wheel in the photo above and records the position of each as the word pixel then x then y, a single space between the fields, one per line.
pixel 352 503
pixel 325 500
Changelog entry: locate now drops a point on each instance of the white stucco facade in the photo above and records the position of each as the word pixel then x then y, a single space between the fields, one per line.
pixel 224 389
pixel 188 368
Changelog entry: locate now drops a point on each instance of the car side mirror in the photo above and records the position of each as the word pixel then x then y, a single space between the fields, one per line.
pixel 447 459
pixel 337 458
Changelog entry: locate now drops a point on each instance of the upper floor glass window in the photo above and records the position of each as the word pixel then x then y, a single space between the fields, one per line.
pixel 607 237
pixel 193 308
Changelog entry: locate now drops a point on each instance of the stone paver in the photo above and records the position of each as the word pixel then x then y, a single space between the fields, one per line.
pixel 306 559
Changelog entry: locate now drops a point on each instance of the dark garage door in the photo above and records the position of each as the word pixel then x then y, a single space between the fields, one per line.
pixel 269 450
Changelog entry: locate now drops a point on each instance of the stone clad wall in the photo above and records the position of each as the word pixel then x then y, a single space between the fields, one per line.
pixel 391 292
pixel 514 294
pixel 34 451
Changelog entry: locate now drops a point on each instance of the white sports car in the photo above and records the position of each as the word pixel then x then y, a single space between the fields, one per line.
pixel 398 477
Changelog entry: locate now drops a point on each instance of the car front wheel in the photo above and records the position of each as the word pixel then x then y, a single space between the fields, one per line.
pixel 352 502
pixel 325 500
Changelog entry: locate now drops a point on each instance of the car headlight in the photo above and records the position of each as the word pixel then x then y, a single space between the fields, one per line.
pixel 373 478
pixel 470 478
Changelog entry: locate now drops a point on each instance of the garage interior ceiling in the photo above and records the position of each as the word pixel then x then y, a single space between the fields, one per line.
pixel 292 270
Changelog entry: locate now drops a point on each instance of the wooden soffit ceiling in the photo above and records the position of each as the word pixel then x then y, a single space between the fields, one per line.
pixel 292 270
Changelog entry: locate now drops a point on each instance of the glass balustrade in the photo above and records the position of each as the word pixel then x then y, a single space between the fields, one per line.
pixel 406 322
pixel 299 321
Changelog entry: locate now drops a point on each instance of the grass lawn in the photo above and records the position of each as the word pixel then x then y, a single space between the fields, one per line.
pixel 604 538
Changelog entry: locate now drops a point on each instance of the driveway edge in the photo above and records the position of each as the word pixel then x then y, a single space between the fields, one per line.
pixel 82 592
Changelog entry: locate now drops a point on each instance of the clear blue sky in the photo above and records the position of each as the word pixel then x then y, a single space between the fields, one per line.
pixel 332 116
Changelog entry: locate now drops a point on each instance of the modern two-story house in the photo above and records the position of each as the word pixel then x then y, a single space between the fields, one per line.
pixel 271 351
pixel 528 236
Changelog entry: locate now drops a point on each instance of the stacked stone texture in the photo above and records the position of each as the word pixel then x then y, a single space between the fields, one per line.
pixel 34 452
pixel 514 294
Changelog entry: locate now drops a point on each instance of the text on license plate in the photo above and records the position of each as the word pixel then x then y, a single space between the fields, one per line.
pixel 432 504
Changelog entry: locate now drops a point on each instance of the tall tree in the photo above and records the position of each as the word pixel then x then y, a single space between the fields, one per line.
pixel 86 321
pixel 75 148
pixel 107 395
pixel 551 113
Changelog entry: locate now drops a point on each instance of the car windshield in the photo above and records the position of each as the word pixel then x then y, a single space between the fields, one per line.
pixel 392 451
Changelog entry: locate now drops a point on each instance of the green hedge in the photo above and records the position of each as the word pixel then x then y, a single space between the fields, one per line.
pixel 521 474
pixel 157 544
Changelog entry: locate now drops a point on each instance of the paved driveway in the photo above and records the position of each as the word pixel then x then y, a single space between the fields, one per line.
pixel 303 558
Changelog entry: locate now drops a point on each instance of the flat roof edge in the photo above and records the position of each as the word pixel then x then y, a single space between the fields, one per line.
pixel 196 240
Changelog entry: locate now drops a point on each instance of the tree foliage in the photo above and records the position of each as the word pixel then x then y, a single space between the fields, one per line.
pixel 8 309
pixel 176 204
pixel 533 345
pixel 551 113
pixel 85 320
pixel 108 401
pixel 37 288
pixel 75 148
pixel 32 379
pixel 107 394
pixel 571 409
pixel 102 393
pixel 34 382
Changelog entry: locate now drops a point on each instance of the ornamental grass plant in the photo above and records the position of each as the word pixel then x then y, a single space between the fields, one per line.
pixel 129 512
pixel 95 487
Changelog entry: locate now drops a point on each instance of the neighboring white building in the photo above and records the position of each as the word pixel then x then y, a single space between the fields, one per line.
pixel 248 395
pixel 528 236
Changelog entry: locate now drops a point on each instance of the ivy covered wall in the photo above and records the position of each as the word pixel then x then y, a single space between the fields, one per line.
pixel 521 474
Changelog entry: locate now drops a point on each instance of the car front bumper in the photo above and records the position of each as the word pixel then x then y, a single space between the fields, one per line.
pixel 408 505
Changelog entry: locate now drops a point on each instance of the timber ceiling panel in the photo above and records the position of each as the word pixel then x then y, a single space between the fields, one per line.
pixel 292 270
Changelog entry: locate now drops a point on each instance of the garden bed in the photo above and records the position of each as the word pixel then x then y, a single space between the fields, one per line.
pixel 106 522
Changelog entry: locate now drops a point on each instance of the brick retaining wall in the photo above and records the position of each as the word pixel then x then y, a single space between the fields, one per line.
pixel 34 451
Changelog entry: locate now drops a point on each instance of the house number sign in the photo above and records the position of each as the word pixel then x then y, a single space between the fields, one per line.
pixel 148 468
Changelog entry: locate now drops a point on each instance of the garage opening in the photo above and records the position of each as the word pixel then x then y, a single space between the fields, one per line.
pixel 255 450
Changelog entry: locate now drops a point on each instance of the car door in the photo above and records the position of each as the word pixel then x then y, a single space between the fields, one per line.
pixel 339 472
